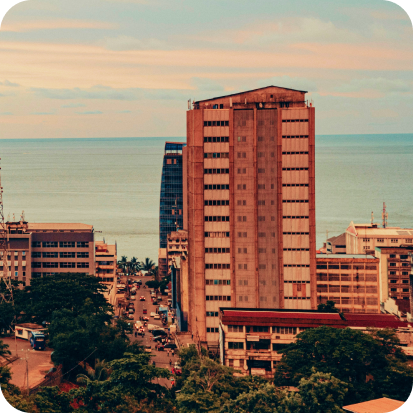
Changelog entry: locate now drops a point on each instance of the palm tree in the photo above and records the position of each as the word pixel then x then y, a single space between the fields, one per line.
pixel 147 265
pixel 101 372
pixel 134 264
pixel 123 263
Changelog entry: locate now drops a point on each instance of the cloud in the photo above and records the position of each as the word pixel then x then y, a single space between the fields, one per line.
pixel 6 114
pixel 74 105
pixel 10 84
pixel 108 93
pixel 377 84
pixel 124 111
pixel 43 113
pixel 31 25
pixel 95 112
pixel 121 43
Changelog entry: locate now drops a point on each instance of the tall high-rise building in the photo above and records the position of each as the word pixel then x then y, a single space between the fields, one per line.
pixel 250 205
pixel 170 208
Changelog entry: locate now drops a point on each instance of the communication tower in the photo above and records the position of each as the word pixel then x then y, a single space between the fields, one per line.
pixel 6 290
pixel 384 215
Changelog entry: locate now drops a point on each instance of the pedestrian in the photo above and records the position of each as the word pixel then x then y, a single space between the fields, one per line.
pixel 170 362
pixel 150 338
pixel 168 352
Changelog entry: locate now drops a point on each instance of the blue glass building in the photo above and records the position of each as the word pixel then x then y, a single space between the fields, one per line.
pixel 170 208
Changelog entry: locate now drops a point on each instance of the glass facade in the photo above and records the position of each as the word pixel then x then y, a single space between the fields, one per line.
pixel 170 208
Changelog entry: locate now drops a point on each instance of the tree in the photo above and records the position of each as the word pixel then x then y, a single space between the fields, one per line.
pixel 64 291
pixel 152 284
pixel 328 307
pixel 4 352
pixel 349 355
pixel 51 400
pixel 147 265
pixel 101 372
pixel 123 262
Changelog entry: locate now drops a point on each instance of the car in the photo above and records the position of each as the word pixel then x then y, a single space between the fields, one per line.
pixel 131 311
pixel 131 316
pixel 156 317
pixel 158 338
pixel 145 318
pixel 139 282
pixel 159 298
pixel 159 332
pixel 153 314
pixel 177 366
pixel 133 297
pixel 131 305
pixel 142 298
pixel 171 346
pixel 148 349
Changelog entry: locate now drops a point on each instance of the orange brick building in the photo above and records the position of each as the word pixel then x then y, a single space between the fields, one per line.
pixel 249 191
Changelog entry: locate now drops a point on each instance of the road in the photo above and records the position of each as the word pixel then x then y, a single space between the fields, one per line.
pixel 161 358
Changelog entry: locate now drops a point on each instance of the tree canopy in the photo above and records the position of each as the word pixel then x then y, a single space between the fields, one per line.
pixel 364 362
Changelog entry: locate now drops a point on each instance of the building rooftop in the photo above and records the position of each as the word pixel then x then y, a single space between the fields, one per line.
pixel 59 226
pixel 346 256
pixel 366 230
pixel 383 405
pixel 253 90
pixel 339 239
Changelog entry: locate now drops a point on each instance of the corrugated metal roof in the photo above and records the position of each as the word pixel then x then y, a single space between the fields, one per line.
pixel 383 405
pixel 348 256
pixel 59 226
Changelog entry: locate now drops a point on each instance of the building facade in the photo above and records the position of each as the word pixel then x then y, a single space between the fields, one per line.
pixel 251 204
pixel 170 208
pixel 364 238
pixel 251 339
pixel 351 281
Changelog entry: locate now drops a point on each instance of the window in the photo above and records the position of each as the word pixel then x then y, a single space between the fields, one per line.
pixel 49 244
pixel 36 254
pixel 241 218
pixel 82 265
pixel 67 254
pixel 380 239
pixel 36 244
pixel 392 255
pixel 36 265
pixel 218 298
pixel 366 239
pixel 258 329
pixel 392 264
pixel 212 314
pixel 241 154
pixel 212 330
pixel 216 219
pixel 50 264
pixel 217 234
pixel 82 244
pixel 217 250
pixel 242 202
pixel 216 155
pixel 235 345
pixel 216 171
pixel 284 330
pixel 235 329
pixel 241 170
pixel 394 240
pixel 241 186
pixel 262 202
pixel 242 138
pixel 67 244
pixel 50 254
pixel 67 265
pixel 16 273
pixel 216 186
pixel 218 202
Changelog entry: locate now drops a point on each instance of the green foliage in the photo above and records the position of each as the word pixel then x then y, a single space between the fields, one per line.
pixel 349 355
pixel 75 338
pixel 4 352
pixel 101 372
pixel 14 397
pixel 64 291
pixel 329 307
pixel 5 375
pixel 152 284
pixel 147 265
pixel 51 400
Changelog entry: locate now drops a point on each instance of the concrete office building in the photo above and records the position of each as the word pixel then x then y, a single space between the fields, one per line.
pixel 351 281
pixel 170 208
pixel 250 205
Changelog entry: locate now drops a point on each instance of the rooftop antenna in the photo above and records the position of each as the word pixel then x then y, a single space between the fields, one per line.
pixel 384 215
pixel 372 218
pixel 189 104
pixel 327 241
pixel 22 217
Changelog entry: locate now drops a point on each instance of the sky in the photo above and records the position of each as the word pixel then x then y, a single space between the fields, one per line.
pixel 126 68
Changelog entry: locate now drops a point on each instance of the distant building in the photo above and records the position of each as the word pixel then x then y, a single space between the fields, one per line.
pixel 250 339
pixel 364 238
pixel 336 245
pixel 177 243
pixel 37 250
pixel 351 281
pixel 170 208
pixel 106 262
pixel 162 263
pixel 251 205
pixel 180 293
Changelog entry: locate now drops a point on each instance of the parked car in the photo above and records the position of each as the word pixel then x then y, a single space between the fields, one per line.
pixel 159 298
pixel 153 314
pixel 159 332
pixel 131 305
pixel 144 311
pixel 133 297
pixel 156 317
pixel 142 298
pixel 145 318
pixel 159 338
pixel 131 310
pixel 131 316
pixel 171 345
pixel 161 347
pixel 148 349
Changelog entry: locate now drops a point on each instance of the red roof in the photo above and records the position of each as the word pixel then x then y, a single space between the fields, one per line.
pixel 374 320
pixel 383 405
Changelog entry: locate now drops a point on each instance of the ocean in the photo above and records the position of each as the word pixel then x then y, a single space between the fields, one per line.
pixel 114 183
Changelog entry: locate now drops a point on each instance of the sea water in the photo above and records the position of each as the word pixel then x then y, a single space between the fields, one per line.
pixel 114 184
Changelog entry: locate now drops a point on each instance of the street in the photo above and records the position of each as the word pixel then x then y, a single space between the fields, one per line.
pixel 161 358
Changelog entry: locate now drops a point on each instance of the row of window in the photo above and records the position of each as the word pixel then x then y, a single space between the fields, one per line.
pixel 216 218
pixel 295 184
pixel 403 273
pixel 212 330
pixel 216 139
pixel 295 169
pixel 295 120
pixel 296 216
pixel 217 266
pixel 218 298
pixel 217 234
pixel 56 254
pixel 61 244
pixel 218 282
pixel 216 155
pixel 216 123
pixel 295 201
pixel 217 202
pixel 216 171
pixel 346 277
pixel 217 250
pixel 294 136
pixel 212 313
pixel 323 265
pixel 60 264
pixel 295 153
pixel 296 265
pixel 296 233
pixel 216 186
